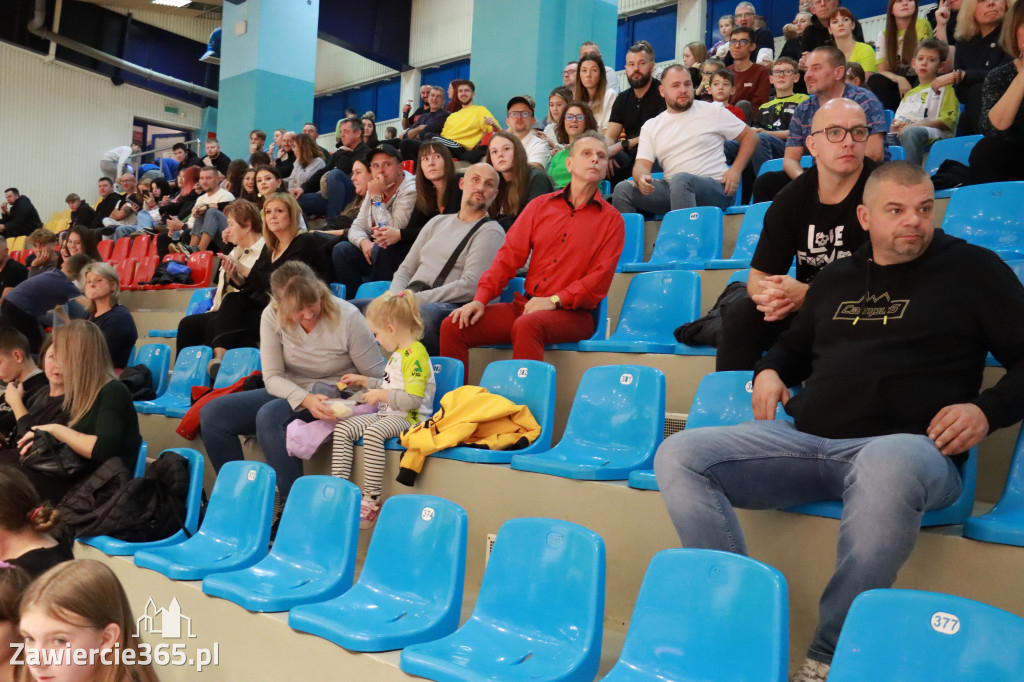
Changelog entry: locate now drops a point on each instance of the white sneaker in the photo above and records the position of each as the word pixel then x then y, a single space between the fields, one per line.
pixel 369 509
pixel 811 671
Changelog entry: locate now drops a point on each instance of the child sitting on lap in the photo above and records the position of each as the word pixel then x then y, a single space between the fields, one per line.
pixel 404 397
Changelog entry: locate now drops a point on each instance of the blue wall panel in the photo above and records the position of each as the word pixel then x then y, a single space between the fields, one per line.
pixel 658 28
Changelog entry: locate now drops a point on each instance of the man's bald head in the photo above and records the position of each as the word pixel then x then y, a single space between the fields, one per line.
pixel 894 174
pixel 837 109
pixel 838 157
pixel 479 186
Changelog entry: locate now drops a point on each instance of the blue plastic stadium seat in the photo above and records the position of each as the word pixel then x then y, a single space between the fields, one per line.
pixel 116 547
pixel 314 554
pixel 140 462
pixel 990 216
pixel 235 531
pixel 956 513
pixel 687 239
pixel 706 615
pixel 201 302
pixel 775 165
pixel 539 613
pixel 514 286
pixel 902 635
pixel 897 153
pixel 721 399
pixel 955 148
pixel 890 116
pixel 656 303
pixel 157 358
pixel 524 382
pixel 616 424
pixel 131 357
pixel 338 290
pixel 633 248
pixel 410 588
pixel 1005 522
pixel 746 240
pixel 605 187
pixel 372 289
pixel 190 369
pixel 236 364
pixel 449 374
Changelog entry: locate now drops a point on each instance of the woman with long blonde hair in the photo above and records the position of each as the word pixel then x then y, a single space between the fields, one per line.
pixel 101 417
pixel 308 340
pixel 84 604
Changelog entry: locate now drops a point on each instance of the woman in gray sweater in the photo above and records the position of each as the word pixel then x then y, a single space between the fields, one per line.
pixel 306 336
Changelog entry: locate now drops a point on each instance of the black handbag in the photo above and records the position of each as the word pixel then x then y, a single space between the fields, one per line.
pixel 51 457
pixel 416 286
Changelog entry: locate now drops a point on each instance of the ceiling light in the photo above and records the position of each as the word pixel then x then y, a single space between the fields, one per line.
pixel 173 3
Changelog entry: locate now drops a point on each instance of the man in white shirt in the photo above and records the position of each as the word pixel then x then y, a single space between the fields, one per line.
pixel 207 223
pixel 113 161
pixel 687 140
pixel 520 122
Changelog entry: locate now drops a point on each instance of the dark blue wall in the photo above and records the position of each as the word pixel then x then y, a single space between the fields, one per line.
pixel 658 28
pixel 378 30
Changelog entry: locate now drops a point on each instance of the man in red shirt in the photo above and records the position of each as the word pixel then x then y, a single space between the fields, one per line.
pixel 752 82
pixel 575 238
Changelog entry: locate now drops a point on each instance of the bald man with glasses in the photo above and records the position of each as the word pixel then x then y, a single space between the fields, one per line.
pixel 813 221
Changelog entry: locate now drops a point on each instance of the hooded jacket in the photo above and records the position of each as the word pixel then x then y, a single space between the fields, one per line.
pixel 881 349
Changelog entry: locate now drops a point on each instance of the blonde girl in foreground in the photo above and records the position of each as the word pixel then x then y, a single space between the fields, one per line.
pixel 404 397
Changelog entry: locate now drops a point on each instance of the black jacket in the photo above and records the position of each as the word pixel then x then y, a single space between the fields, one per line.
pixel 882 349
pixel 22 219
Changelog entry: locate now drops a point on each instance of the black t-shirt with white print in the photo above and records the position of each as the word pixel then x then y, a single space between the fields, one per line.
pixel 798 224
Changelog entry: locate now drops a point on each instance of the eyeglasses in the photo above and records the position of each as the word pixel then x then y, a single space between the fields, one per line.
pixel 742 42
pixel 575 117
pixel 744 14
pixel 519 114
pixel 784 72
pixel 838 133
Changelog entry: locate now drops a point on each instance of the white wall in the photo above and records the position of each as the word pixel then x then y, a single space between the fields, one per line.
pixel 56 120
pixel 442 30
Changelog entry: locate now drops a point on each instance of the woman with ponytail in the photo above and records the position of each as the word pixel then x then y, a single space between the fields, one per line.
pixel 25 525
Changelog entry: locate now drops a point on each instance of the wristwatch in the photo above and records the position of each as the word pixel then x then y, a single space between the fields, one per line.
pixel 557 301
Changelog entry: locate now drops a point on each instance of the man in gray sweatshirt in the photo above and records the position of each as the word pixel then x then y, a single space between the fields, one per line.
pixel 437 242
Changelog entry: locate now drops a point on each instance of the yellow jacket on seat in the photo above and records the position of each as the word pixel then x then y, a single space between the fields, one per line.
pixel 469 415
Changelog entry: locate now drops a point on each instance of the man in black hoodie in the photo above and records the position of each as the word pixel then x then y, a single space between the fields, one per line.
pixel 890 345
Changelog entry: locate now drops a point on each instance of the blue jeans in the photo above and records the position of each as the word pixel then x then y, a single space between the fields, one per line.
pixel 340 191
pixel 886 484
pixel 768 147
pixel 224 419
pixel 682 190
pixel 432 314
pixel 915 139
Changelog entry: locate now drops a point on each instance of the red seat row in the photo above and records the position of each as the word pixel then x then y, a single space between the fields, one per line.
pixel 132 271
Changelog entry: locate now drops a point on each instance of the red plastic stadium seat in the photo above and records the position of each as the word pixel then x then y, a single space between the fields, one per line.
pixel 105 247
pixel 152 248
pixel 126 272
pixel 180 257
pixel 202 270
pixel 147 266
pixel 20 256
pixel 409 166
pixel 120 251
pixel 140 247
